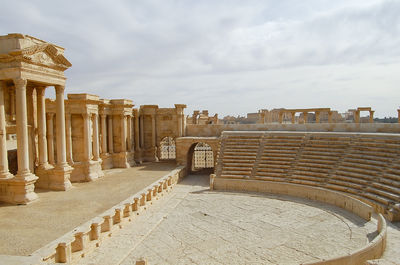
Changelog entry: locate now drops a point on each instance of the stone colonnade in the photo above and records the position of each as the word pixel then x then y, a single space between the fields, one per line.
pixel 357 114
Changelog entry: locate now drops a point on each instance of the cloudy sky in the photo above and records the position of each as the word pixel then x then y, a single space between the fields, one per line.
pixel 230 57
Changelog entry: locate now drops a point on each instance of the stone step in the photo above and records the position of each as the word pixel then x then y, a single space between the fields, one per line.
pixel 360 166
pixel 322 152
pixel 389 182
pixel 382 152
pixel 233 176
pixel 280 161
pixel 327 159
pixel 344 186
pixel 238 169
pixel 361 156
pixel 306 182
pixel 314 165
pixel 356 173
pixel 310 173
pixel 379 190
pixel 270 169
pixel 371 162
pixel 270 176
pixel 311 169
pixel 266 167
pixel 318 161
pixel 240 165
pixel 280 152
pixel 245 161
pixel 350 179
pixel 305 177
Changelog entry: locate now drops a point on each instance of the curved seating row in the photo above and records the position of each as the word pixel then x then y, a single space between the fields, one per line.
pixel 366 166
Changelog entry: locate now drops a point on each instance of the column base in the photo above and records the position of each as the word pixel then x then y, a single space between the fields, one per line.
pixel 19 189
pixel 138 156
pixel 43 172
pixel 120 160
pixel 59 178
pixel 150 155
pixel 87 171
pixel 107 161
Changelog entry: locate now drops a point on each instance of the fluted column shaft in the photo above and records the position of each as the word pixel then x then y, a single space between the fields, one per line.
pixel 129 132
pixel 96 153
pixel 68 121
pixel 86 137
pixel 60 127
pixel 110 135
pixel 141 132
pixel 330 116
pixel 123 133
pixel 103 134
pixel 41 116
pixel 136 134
pixel 50 137
pixel 371 116
pixel 317 117
pixel 293 117
pixel 4 173
pixel 153 131
pixel 22 128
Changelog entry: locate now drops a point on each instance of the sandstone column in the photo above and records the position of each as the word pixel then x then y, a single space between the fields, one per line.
pixel 123 133
pixel 129 133
pixel 60 128
pixel 317 117
pixel 68 118
pixel 103 134
pixel 398 115
pixel 110 135
pixel 136 134
pixel 305 117
pixel 50 137
pixel 330 113
pixel 12 104
pixel 293 116
pixel 96 153
pixel 41 115
pixel 23 186
pixel 60 180
pixel 142 131
pixel 153 131
pixel 4 173
pixel 86 137
pixel 371 116
pixel 280 117
pixel 357 116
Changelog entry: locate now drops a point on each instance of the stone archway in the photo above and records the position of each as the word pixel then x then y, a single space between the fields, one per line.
pixel 200 158
pixel 185 148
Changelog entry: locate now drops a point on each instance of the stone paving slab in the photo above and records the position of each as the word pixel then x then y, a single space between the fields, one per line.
pixel 192 225
pixel 26 228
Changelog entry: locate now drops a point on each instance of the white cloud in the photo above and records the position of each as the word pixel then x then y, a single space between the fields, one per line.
pixel 230 57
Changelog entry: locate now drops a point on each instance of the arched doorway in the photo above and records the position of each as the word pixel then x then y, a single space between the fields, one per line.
pixel 200 158
pixel 167 149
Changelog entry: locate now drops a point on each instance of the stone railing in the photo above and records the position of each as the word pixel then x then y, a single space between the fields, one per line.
pixel 85 238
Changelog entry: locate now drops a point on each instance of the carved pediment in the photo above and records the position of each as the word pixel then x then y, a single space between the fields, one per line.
pixel 41 54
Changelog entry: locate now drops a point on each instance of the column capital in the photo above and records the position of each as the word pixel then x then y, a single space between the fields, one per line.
pixel 20 83
pixel 40 90
pixel 49 115
pixel 59 89
pixel 103 116
pixel 85 115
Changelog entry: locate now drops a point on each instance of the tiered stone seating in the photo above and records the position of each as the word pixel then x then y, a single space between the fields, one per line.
pixel 318 158
pixel 365 166
pixel 279 152
pixel 240 153
pixel 361 170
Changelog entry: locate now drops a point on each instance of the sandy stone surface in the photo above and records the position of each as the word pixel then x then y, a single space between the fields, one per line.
pixel 193 225
pixel 26 228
